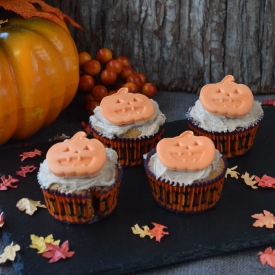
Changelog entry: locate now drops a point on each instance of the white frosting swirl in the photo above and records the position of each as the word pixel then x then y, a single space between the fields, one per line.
pixel 217 123
pixel 110 130
pixel 183 178
pixel 106 177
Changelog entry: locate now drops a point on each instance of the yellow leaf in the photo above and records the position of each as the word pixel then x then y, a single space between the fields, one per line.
pixel 141 232
pixel 39 243
pixel 29 206
pixel 9 253
pixel 232 173
pixel 249 180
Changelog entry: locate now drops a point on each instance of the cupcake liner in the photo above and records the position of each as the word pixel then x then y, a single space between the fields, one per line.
pixel 230 144
pixel 189 199
pixel 97 203
pixel 130 151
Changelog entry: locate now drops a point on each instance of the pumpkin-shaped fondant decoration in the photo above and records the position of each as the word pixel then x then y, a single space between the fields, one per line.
pixel 126 108
pixel 39 73
pixel 76 157
pixel 227 98
pixel 186 152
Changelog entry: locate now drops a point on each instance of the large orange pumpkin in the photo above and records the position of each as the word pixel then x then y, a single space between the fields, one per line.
pixel 38 75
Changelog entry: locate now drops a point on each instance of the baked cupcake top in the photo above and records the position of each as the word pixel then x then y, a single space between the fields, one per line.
pixel 227 98
pixel 184 159
pixel 78 164
pixel 123 111
pixel 225 107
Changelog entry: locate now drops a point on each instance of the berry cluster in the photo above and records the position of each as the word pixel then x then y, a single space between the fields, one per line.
pixel 104 75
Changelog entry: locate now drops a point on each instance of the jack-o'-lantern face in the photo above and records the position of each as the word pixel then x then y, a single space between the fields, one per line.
pixel 227 98
pixel 125 108
pixel 186 152
pixel 76 157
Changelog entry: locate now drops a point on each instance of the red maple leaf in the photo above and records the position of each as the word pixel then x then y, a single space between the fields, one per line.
pixel 268 256
pixel 55 253
pixel 25 169
pixel 87 127
pixel 8 182
pixel 269 102
pixel 266 181
pixel 157 231
pixel 1 219
pixel 30 154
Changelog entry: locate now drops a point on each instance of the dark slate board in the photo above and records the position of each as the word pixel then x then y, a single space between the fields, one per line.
pixel 110 247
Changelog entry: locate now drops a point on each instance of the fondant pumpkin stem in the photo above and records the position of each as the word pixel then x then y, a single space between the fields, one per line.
pixel 228 78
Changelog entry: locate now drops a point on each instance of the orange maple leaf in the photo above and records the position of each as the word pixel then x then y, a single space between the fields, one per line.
pixel 268 256
pixel 157 231
pixel 267 219
pixel 27 9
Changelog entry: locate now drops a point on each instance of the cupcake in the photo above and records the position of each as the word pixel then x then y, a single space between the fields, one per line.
pixel 186 173
pixel 80 180
pixel 227 113
pixel 131 124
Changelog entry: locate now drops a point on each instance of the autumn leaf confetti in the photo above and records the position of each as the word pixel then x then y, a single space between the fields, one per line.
pixel 232 172
pixel 266 219
pixel 157 232
pixel 39 243
pixel 29 206
pixel 30 154
pixel 141 232
pixel 49 248
pixel 1 219
pixel 25 169
pixel 268 257
pixel 56 253
pixel 7 182
pixel 9 253
pixel 265 181
pixel 249 180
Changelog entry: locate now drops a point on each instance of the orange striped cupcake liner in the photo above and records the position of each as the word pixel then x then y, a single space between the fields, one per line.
pixel 189 199
pixel 230 144
pixel 130 151
pixel 72 208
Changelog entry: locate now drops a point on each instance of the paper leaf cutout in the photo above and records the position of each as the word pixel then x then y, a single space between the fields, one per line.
pixel 7 182
pixel 1 219
pixel 25 169
pixel 269 102
pixel 267 219
pixel 29 206
pixel 31 154
pixel 265 181
pixel 249 180
pixel 232 173
pixel 267 257
pixel 9 253
pixel 87 127
pixel 157 231
pixel 55 253
pixel 141 232
pixel 39 243
pixel 26 9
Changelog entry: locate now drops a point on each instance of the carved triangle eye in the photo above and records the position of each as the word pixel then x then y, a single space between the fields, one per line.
pixel 86 148
pixel 67 149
